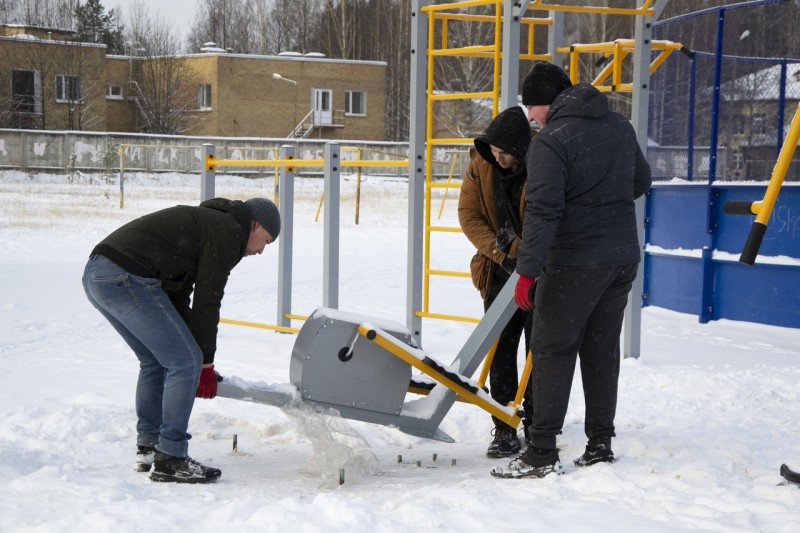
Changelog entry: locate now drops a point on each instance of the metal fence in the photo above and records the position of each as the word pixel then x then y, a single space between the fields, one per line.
pixel 720 115
pixel 68 151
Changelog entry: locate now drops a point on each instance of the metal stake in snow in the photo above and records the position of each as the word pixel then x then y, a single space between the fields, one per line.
pixel 235 443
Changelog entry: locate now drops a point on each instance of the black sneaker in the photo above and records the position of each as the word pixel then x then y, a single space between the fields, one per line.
pixel 599 453
pixel 505 442
pixel 534 463
pixel 144 458
pixel 167 468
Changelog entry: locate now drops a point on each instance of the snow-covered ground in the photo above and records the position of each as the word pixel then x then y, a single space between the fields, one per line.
pixel 706 416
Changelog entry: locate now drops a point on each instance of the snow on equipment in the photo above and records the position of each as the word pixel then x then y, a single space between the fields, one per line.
pixel 362 368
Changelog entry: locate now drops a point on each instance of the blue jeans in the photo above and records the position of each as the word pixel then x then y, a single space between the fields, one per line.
pixel 169 357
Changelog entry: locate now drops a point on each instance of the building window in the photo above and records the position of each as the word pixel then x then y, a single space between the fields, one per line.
pixel 68 88
pixel 355 103
pixel 26 92
pixel 204 97
pixel 114 92
pixel 759 124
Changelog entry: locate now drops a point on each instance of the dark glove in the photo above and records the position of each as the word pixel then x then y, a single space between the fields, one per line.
pixel 523 292
pixel 505 238
pixel 509 265
pixel 208 383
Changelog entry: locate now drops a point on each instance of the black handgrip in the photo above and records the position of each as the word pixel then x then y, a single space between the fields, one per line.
pixel 753 243
pixel 738 207
pixel 688 53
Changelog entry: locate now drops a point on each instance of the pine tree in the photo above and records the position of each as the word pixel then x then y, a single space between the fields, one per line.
pixel 94 25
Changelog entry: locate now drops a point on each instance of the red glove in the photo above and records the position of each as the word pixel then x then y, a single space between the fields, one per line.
pixel 523 292
pixel 208 383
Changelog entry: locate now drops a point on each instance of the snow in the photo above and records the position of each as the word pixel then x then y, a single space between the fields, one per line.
pixel 706 416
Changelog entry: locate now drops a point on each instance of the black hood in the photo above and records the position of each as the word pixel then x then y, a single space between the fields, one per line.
pixel 510 131
pixel 582 100
pixel 237 208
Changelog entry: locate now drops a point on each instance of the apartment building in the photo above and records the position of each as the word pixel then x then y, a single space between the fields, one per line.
pixel 48 81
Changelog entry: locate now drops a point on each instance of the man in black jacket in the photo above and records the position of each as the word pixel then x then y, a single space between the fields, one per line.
pixel 580 249
pixel 159 281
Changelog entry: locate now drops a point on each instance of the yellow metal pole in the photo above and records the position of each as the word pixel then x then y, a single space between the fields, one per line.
pixel 358 188
pixel 449 179
pixel 487 363
pixel 763 209
pixel 121 176
pixel 523 380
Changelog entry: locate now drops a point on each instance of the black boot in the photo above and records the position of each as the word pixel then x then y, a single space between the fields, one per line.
pixel 534 463
pixel 598 453
pixel 144 458
pixel 167 468
pixel 505 442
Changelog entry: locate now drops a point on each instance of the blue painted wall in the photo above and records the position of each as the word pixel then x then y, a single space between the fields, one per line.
pixel 686 224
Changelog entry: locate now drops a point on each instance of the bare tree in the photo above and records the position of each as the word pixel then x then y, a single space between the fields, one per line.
pixel 165 93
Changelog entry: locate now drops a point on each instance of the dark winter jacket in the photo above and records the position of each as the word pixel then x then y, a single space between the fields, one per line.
pixel 585 169
pixel 492 197
pixel 190 249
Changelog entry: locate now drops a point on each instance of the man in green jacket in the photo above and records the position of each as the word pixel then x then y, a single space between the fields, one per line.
pixel 159 281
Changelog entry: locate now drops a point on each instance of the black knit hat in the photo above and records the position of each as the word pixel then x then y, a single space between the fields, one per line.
pixel 510 131
pixel 266 213
pixel 543 83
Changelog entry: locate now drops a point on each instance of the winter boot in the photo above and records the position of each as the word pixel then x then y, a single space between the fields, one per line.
pixel 598 453
pixel 144 458
pixel 534 463
pixel 167 468
pixel 505 442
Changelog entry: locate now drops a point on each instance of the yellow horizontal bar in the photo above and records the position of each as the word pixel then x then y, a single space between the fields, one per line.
pixel 446 229
pixel 283 329
pixel 451 141
pixel 465 51
pixel 303 163
pixel 450 273
pixel 458 318
pixel 295 317
pixel 460 96
pixel 445 185
pixel 642 10
pixel 458 5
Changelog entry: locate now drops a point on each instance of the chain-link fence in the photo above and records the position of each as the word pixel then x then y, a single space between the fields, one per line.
pixel 721 115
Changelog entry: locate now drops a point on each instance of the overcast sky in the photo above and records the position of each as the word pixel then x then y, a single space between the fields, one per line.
pixel 178 12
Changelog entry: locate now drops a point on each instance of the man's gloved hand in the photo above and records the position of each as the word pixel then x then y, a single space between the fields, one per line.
pixel 523 292
pixel 505 238
pixel 509 265
pixel 208 382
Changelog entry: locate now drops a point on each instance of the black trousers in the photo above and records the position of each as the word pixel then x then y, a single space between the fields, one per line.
pixel 578 313
pixel 503 376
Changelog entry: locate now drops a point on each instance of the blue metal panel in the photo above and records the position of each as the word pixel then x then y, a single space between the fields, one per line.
pixel 717 288
pixel 768 294
pixel 677 216
pixel 674 282
pixel 783 231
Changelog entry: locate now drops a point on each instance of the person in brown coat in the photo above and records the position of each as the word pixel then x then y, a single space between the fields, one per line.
pixel 490 210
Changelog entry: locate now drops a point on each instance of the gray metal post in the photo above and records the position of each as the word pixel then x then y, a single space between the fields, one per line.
pixel 416 168
pixel 509 66
pixel 286 240
pixel 556 37
pixel 330 246
pixel 632 333
pixel 207 176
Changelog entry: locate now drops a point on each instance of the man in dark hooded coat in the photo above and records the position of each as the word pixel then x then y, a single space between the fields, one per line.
pixel 580 250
